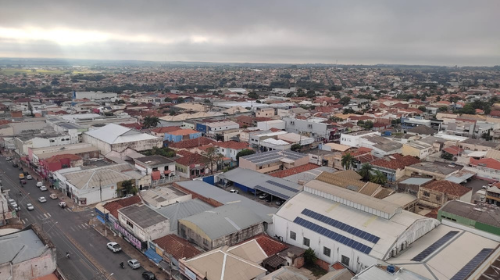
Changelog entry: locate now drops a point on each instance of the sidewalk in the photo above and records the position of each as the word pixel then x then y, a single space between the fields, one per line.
pixel 133 253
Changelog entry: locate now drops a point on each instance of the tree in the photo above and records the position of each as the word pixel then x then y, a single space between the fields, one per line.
pixel 438 98
pixel 365 171
pixel 244 152
pixel 30 107
pixel 422 108
pixel 295 147
pixel 253 95
pixel 345 100
pixel 378 177
pixel 310 257
pixel 443 109
pixel 168 99
pixel 347 161
pixel 211 156
pixel 128 187
pixel 149 122
pixel 447 156
pixel 368 125
pixel 361 123
pixel 180 100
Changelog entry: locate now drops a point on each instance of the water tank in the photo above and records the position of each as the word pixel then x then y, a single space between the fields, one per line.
pixel 391 268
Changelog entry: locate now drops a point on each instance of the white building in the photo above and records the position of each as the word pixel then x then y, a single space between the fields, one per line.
pixel 23 143
pixel 348 227
pixel 94 95
pixel 215 127
pixel 354 139
pixel 114 137
pixel 279 124
pixel 145 223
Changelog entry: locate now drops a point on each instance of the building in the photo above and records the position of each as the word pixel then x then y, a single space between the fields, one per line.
pixel 266 125
pixel 387 272
pixel 417 149
pixel 24 142
pixel 160 131
pixel 143 222
pixel 412 185
pixel 437 193
pixel 26 254
pixel 230 149
pixel 265 112
pixel 182 209
pixel 181 135
pixel 191 165
pixel 273 160
pixel 156 165
pixel 222 226
pixel 421 130
pixel 481 219
pixel 393 166
pixel 348 227
pixel 349 179
pixel 214 128
pixel 172 248
pixel 114 137
pixel 84 150
pixel 58 162
pixel 435 170
pixel 94 95
pixel 314 128
pixel 478 145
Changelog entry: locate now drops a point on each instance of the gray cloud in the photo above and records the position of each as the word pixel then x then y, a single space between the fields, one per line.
pixel 411 32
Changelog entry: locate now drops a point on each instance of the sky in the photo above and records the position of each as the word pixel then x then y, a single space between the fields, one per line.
pixel 423 32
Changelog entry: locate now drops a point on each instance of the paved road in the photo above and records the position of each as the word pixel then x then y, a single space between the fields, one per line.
pixel 69 231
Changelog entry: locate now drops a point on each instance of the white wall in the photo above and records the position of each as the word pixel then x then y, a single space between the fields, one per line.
pixel 279 124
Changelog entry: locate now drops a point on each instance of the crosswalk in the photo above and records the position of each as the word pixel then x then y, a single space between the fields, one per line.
pixel 83 226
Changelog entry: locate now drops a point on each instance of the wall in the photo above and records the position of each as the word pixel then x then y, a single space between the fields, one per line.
pixel 243 163
pixel 315 130
pixel 435 198
pixel 30 269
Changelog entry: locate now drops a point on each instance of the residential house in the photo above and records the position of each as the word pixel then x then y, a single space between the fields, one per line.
pixel 435 170
pixel 160 131
pixel 437 193
pixel 230 149
pixel 173 248
pixel 274 160
pixel 417 149
pixel 191 165
pixel 156 165
pixel 317 129
pixel 393 166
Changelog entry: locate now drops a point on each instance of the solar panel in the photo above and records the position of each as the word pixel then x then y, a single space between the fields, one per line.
pixel 271 192
pixel 464 273
pixel 345 227
pixel 281 186
pixel 434 246
pixel 332 235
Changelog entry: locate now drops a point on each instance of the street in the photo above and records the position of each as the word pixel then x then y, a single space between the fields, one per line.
pixel 68 230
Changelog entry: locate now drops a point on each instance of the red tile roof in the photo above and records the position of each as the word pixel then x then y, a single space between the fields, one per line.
pixel 486 162
pixel 359 151
pixel 177 247
pixel 396 162
pixel 114 206
pixel 447 187
pixel 232 145
pixel 294 170
pixel 189 158
pixel 192 143
pixel 495 113
pixel 454 150
pixel 58 158
pixel 2 122
pixel 165 129
pixel 270 245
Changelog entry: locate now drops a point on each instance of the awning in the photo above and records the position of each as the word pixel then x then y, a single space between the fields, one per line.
pixel 152 255
pixel 167 172
pixel 101 219
pixel 155 175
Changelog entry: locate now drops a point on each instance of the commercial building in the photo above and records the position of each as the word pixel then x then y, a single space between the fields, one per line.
pixel 181 134
pixel 435 170
pixel 273 160
pixel 142 221
pixel 314 128
pixel 113 137
pixel 156 165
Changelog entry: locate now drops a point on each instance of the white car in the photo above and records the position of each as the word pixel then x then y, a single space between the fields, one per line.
pixel 43 188
pixel 113 246
pixel 29 177
pixel 234 191
pixel 42 199
pixel 134 264
pixel 39 184
pixel 11 201
pixel 30 206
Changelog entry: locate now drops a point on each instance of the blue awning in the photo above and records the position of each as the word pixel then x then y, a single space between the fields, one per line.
pixel 152 255
pixel 101 219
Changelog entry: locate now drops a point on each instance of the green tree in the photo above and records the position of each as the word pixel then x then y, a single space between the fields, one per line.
pixel 211 156
pixel 378 177
pixel 295 147
pixel 361 123
pixel 168 99
pixel 447 156
pixel 422 108
pixel 368 125
pixel 253 95
pixel 244 152
pixel 345 100
pixel 180 100
pixel 310 257
pixel 443 109
pixel 347 161
pixel 128 187
pixel 365 171
pixel 149 122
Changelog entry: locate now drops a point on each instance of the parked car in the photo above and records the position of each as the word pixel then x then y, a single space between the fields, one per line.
pixel 148 275
pixel 21 175
pixel 134 264
pixel 53 196
pixel 263 196
pixel 14 164
pixel 8 158
pixel 29 177
pixel 30 207
pixel 62 204
pixel 114 247
pixel 279 202
pixel 42 199
pixel 22 181
pixel 39 184
pixel 43 188
pixel 11 201
pixel 234 191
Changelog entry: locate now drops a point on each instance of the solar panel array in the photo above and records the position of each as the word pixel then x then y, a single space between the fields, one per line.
pixel 271 192
pixel 434 246
pixel 333 235
pixel 464 273
pixel 337 224
pixel 282 186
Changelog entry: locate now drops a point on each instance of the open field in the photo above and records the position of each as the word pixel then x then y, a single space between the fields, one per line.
pixel 13 71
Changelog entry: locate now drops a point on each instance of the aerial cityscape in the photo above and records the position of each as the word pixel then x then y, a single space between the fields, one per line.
pixel 266 140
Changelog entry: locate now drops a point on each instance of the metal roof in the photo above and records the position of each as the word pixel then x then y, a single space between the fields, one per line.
pixel 224 197
pixel 142 215
pixel 224 220
pixel 416 181
pixel 20 246
pixel 115 134
pixel 273 156
pixel 181 210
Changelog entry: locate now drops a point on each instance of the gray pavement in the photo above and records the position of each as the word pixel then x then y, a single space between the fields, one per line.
pixel 69 231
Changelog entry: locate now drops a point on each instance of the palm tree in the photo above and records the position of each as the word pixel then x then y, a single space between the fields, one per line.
pixel 378 178
pixel 347 161
pixel 149 122
pixel 365 171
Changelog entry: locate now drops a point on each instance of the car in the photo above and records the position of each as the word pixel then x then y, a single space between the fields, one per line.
pixel 263 196
pixel 42 199
pixel 39 184
pixel 53 196
pixel 30 207
pixel 8 158
pixel 11 201
pixel 43 188
pixel 134 264
pixel 279 202
pixel 114 247
pixel 29 177
pixel 14 164
pixel 233 191
pixel 22 181
pixel 62 204
pixel 21 175
pixel 148 275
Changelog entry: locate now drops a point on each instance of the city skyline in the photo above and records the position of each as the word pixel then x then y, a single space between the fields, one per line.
pixel 385 32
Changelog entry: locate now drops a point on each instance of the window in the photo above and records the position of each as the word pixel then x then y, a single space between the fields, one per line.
pixel 345 260
pixel 427 194
pixel 326 251
pixel 293 235
pixel 130 224
pixel 306 242
pixel 438 197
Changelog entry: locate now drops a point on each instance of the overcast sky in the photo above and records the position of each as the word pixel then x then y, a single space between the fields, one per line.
pixel 452 32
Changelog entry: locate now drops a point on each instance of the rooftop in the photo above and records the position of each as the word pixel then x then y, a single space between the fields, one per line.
pixel 486 214
pixel 181 210
pixel 156 196
pixel 273 156
pixel 116 134
pixel 395 161
pixel 102 176
pixel 154 160
pixel 142 215
pixel 436 167
pixel 192 143
pixel 114 205
pixel 447 187
pixel 177 247
pixel 20 246
pixel 416 181
pixel 182 132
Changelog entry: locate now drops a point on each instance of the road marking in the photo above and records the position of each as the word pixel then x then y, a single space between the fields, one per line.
pixel 23 222
pixel 48 214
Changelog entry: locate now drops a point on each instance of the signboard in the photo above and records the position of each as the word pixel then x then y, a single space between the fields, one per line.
pixel 129 236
